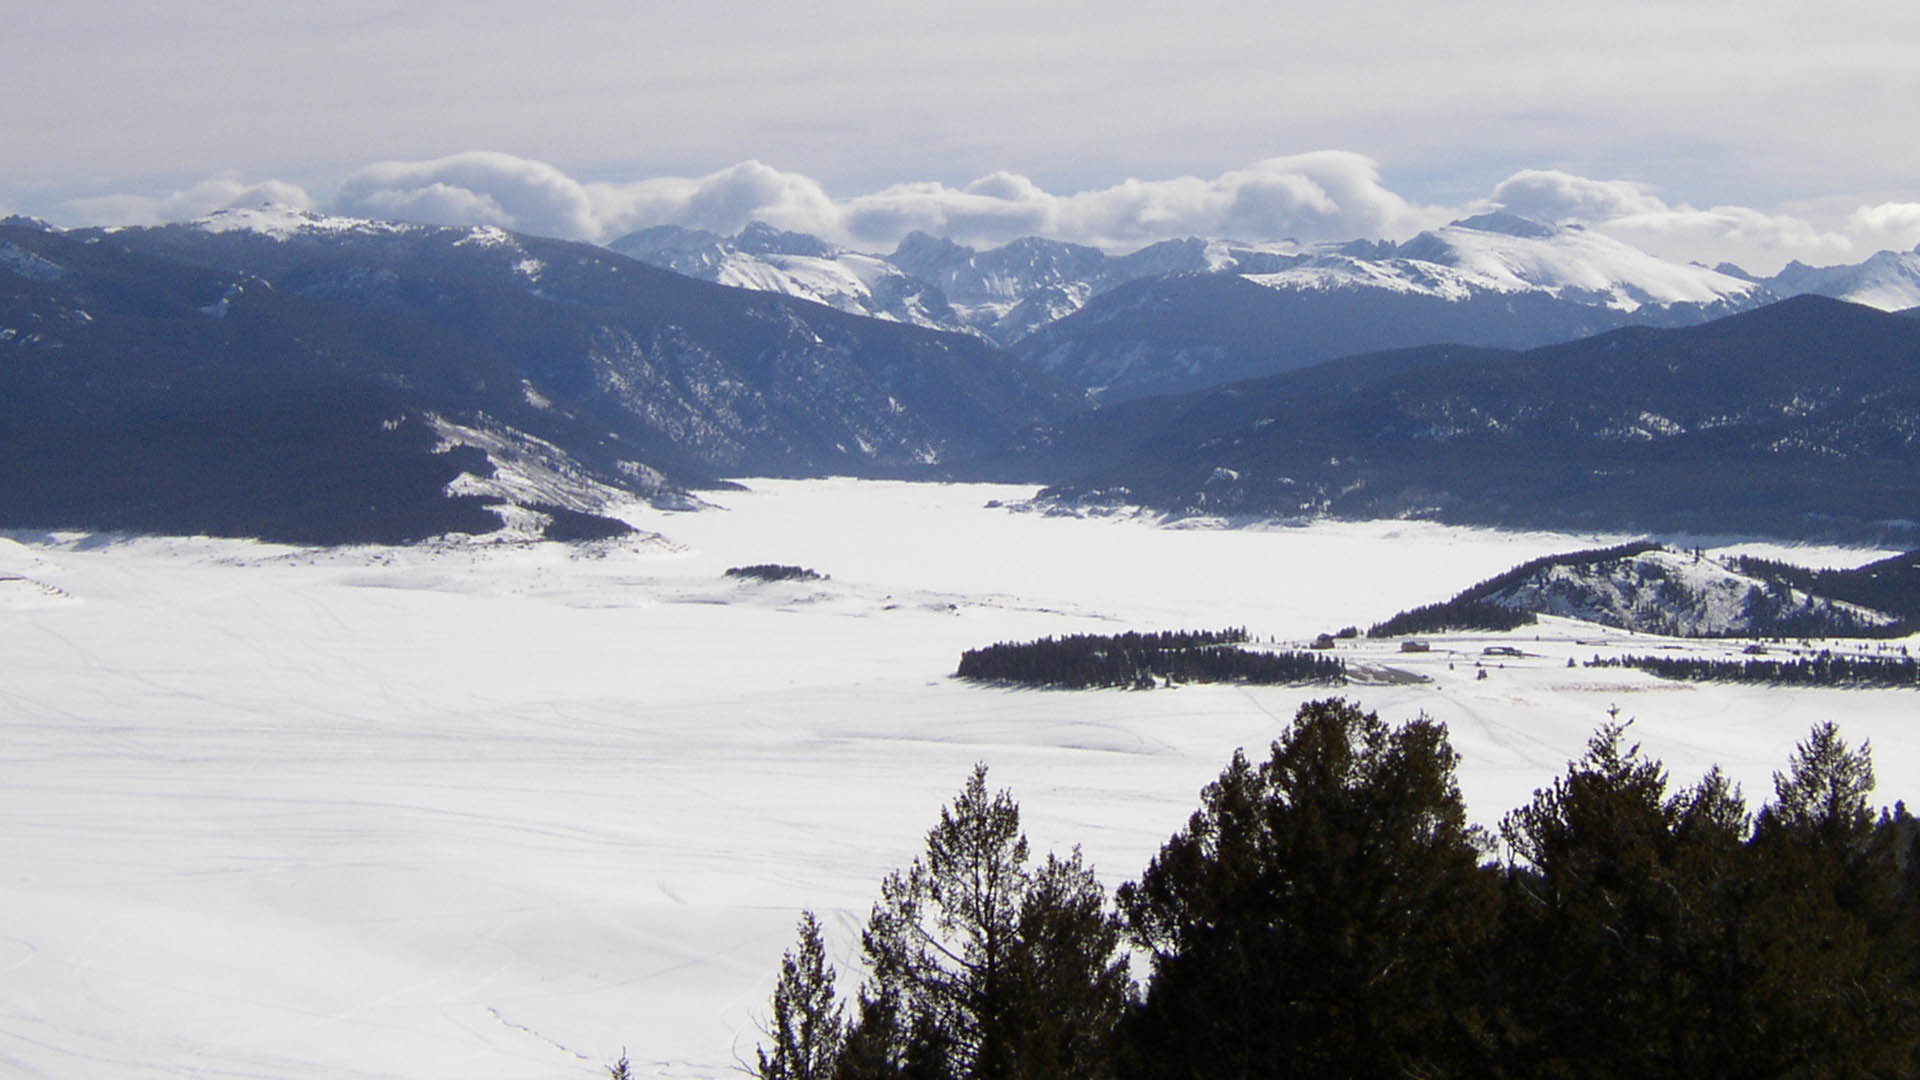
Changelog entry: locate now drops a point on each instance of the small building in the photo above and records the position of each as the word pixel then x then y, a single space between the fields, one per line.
pixel 1411 645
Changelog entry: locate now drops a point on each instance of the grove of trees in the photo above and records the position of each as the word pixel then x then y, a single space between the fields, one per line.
pixel 1136 660
pixel 1329 912
pixel 1821 669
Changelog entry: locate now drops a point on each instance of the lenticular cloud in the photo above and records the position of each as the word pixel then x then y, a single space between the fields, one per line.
pixel 1325 195
pixel 475 188
pixel 221 192
pixel 1630 211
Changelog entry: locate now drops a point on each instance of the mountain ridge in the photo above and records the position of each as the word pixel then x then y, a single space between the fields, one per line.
pixel 649 380
pixel 1798 419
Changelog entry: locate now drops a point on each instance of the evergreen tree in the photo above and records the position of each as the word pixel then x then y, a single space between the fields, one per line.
pixel 808 1020
pixel 1607 925
pixel 982 968
pixel 1318 912
pixel 1846 1002
pixel 1822 797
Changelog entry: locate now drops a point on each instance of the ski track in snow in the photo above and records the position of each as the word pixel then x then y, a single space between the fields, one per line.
pixel 501 811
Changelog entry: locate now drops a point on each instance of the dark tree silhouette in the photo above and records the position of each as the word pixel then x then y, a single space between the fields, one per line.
pixel 1317 913
pixel 808 1025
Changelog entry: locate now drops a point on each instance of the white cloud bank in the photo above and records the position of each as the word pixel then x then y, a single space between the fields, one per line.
pixel 1318 196
pixel 1325 195
pixel 222 192
pixel 1762 242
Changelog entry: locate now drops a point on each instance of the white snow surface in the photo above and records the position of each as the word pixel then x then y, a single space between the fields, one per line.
pixel 1888 280
pixel 283 222
pixel 1457 261
pixel 498 811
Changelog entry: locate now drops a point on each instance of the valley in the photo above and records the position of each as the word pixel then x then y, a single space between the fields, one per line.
pixel 501 808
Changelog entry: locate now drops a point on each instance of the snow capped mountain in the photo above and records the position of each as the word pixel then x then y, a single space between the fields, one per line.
pixel 765 259
pixel 1888 280
pixel 1008 292
pixel 285 222
pixel 1123 326
pixel 1508 254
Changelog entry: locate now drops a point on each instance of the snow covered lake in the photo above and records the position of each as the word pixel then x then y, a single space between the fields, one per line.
pixel 499 811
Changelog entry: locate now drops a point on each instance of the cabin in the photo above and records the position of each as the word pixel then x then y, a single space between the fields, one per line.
pixel 1411 645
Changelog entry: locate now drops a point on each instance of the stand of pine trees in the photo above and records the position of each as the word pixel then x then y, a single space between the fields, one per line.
pixel 1089 661
pixel 1821 669
pixel 1328 912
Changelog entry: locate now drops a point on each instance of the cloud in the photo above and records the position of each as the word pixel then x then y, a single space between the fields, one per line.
pixel 1320 196
pixel 1326 195
pixel 1890 224
pixel 478 187
pixel 723 202
pixel 1552 196
pixel 1631 212
pixel 220 192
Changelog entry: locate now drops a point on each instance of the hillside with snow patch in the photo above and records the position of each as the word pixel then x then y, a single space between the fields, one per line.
pixel 1684 595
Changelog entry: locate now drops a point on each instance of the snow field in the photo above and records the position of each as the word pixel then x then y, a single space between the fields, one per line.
pixel 499 811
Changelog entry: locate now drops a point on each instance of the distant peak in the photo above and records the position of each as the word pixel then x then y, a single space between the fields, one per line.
pixel 665 238
pixel 761 238
pixel 1506 224
pixel 917 244
pixel 281 221
pixel 22 221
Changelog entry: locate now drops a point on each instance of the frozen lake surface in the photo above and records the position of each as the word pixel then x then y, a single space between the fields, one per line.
pixel 497 811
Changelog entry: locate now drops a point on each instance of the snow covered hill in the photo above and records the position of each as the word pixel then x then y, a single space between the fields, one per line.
pixel 1683 595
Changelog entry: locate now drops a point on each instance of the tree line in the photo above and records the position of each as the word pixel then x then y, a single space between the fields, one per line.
pixel 1133 659
pixel 1822 669
pixel 1891 585
pixel 1328 911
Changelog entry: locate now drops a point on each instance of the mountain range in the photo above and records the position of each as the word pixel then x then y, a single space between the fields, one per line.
pixel 1798 419
pixel 1184 314
pixel 296 376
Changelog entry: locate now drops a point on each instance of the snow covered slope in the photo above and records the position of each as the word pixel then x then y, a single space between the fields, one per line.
pixel 1502 253
pixel 791 264
pixel 1667 592
pixel 1888 280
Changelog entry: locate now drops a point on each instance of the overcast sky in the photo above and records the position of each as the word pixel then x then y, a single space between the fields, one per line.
pixel 1700 129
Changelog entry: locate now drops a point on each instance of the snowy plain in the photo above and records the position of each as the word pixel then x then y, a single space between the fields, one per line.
pixel 503 810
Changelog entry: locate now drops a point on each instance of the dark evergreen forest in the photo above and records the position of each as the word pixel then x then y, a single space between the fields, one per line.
pixel 1086 661
pixel 1821 669
pixel 1329 912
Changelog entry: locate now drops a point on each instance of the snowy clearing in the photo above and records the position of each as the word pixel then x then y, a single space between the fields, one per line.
pixel 497 811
